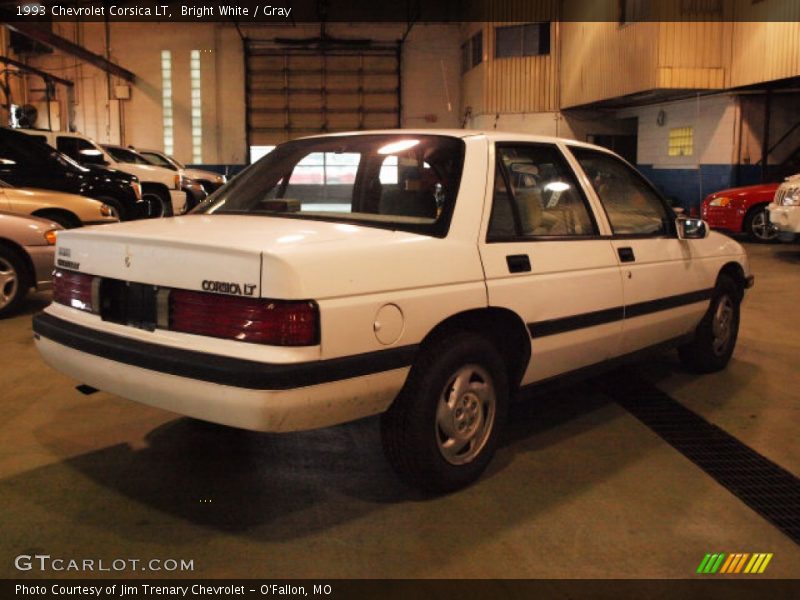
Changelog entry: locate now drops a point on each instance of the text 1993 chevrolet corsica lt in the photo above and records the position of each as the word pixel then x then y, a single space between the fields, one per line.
pixel 421 275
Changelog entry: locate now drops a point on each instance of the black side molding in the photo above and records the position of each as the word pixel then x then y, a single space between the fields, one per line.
pixel 216 368
pixel 617 313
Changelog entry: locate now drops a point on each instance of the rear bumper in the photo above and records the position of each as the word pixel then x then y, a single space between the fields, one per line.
pixel 221 389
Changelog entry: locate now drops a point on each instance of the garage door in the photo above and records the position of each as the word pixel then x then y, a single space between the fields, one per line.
pixel 293 92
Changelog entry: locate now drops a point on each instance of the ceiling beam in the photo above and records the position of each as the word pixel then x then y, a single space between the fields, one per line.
pixel 28 69
pixel 48 38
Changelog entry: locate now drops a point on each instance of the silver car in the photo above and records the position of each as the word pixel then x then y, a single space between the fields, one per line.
pixel 27 251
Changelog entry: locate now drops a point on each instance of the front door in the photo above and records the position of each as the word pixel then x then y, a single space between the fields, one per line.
pixel 545 260
pixel 664 291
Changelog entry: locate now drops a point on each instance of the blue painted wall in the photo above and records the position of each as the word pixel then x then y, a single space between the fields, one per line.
pixel 688 187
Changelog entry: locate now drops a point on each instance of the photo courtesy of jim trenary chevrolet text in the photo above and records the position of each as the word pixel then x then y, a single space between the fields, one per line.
pixel 441 299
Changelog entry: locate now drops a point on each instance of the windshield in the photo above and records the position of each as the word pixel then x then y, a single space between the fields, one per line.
pixel 124 155
pixel 158 160
pixel 399 181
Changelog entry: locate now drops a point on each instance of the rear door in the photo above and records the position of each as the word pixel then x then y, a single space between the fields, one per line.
pixel 664 286
pixel 545 259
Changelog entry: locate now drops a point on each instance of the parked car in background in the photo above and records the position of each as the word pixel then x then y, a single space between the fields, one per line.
pixel 195 194
pixel 458 267
pixel 784 211
pixel 210 180
pixel 29 163
pixel 194 191
pixel 161 188
pixel 741 210
pixel 68 210
pixel 27 250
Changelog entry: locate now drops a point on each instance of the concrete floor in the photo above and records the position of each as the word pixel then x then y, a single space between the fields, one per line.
pixel 580 489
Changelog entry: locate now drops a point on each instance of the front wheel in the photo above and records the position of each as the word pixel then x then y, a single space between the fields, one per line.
pixel 14 283
pixel 758 227
pixel 442 430
pixel 715 336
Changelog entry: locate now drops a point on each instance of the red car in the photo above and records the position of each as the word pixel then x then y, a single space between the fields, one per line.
pixel 741 210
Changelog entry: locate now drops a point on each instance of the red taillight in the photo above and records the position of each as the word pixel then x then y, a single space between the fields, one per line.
pixel 255 320
pixel 73 289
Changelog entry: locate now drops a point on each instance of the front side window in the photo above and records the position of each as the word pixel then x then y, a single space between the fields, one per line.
pixel 406 182
pixel 632 206
pixel 536 195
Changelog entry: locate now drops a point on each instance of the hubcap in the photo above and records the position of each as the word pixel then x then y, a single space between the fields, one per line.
pixel 722 326
pixel 761 227
pixel 9 282
pixel 465 414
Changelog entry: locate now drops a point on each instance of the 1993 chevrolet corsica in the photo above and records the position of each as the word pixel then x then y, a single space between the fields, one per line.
pixel 422 275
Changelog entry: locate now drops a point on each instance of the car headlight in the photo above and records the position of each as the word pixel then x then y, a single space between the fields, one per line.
pixel 721 201
pixel 50 236
pixel 221 179
pixel 105 210
pixel 791 197
pixel 137 189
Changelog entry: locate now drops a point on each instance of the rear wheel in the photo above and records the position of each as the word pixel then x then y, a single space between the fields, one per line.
pixel 715 336
pixel 14 281
pixel 442 430
pixel 757 225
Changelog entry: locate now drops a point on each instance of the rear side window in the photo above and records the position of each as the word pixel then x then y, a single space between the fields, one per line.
pixel 632 206
pixel 536 195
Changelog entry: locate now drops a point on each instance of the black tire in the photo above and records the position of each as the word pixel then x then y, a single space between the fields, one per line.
pixel 715 336
pixel 209 187
pixel 116 206
pixel 159 203
pixel 14 281
pixel 414 440
pixel 756 225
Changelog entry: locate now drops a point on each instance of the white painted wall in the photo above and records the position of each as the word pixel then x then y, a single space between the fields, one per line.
pixel 712 117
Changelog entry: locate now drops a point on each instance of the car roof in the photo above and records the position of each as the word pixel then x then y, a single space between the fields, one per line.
pixel 491 135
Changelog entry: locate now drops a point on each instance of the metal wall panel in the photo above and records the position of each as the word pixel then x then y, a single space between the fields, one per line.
pixel 293 92
pixel 602 60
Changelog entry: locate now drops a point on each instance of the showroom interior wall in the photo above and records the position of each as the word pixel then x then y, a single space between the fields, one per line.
pixel 17 85
pixel 615 78
pixel 430 76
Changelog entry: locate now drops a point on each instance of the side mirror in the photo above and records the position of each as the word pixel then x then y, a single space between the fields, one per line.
pixel 691 229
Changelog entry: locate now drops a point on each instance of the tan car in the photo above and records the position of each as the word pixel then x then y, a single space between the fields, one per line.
pixel 27 252
pixel 68 210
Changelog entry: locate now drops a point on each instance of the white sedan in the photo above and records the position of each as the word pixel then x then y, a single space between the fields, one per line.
pixel 422 275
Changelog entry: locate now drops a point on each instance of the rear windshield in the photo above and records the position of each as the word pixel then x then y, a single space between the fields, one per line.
pixel 405 182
